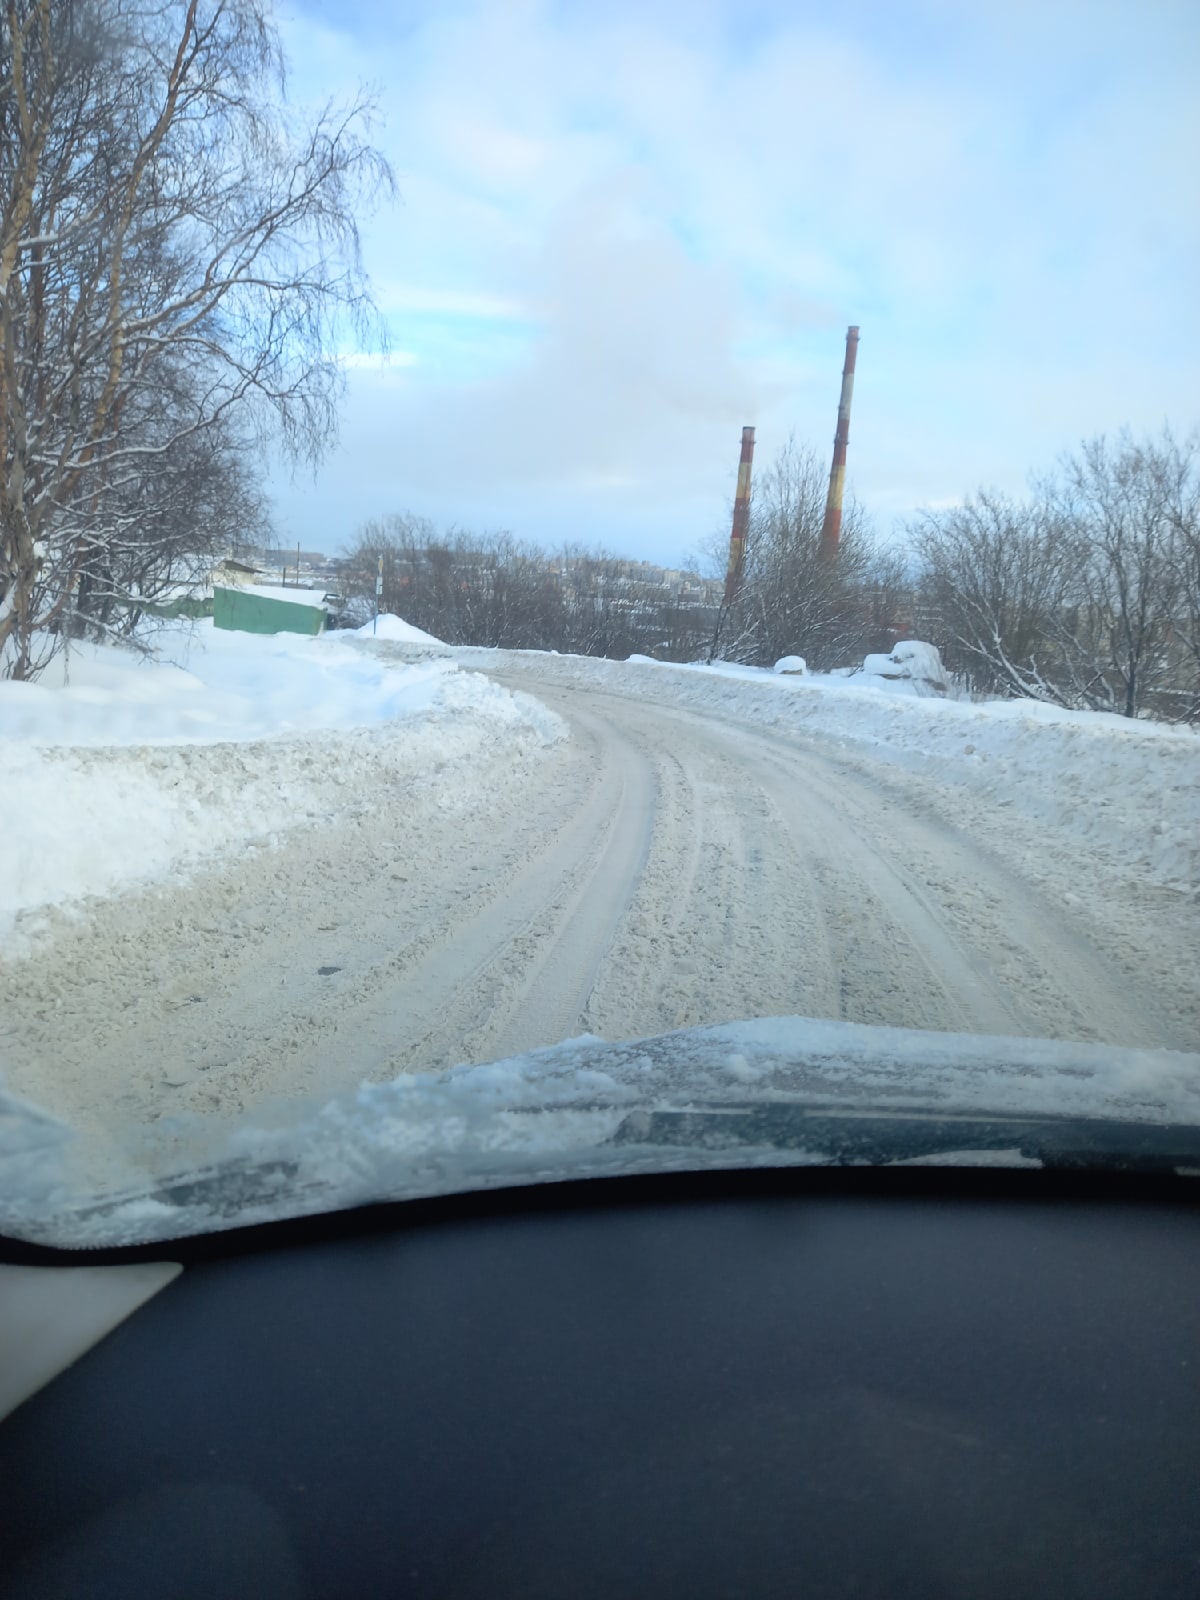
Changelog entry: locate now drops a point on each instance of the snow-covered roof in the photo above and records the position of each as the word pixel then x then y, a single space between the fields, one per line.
pixel 289 595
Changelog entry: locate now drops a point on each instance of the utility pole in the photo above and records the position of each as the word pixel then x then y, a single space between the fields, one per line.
pixel 378 592
pixel 737 536
pixel 831 527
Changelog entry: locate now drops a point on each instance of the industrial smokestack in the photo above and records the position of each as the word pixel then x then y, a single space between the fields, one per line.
pixel 831 528
pixel 741 519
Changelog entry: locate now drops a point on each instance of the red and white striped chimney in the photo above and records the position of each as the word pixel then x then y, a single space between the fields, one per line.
pixel 831 528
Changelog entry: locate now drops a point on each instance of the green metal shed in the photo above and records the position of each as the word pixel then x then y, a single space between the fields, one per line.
pixel 252 611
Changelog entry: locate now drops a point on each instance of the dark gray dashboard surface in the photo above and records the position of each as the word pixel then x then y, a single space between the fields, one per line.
pixel 758 1394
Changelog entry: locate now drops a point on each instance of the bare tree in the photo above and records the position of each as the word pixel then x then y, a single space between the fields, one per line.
pixel 501 592
pixel 995 574
pixel 1126 503
pixel 177 257
pixel 1186 514
pixel 164 531
pixel 1085 594
pixel 793 600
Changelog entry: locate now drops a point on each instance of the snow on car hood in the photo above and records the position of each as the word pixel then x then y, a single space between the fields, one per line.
pixel 778 1092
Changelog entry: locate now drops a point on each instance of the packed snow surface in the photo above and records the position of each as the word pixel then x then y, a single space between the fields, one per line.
pixel 1128 790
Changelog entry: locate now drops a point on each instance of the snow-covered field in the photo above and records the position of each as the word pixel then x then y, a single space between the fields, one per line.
pixel 121 770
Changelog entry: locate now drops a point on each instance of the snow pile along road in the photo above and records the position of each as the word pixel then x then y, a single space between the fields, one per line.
pixel 120 770
pixel 206 685
pixel 394 630
pixel 1127 791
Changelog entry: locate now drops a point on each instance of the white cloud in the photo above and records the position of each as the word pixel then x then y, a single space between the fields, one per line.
pixel 621 239
pixel 370 361
pixel 402 297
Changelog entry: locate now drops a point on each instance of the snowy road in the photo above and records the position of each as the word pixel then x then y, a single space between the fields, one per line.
pixel 659 869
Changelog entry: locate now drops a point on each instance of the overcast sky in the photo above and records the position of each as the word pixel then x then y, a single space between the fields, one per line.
pixel 626 229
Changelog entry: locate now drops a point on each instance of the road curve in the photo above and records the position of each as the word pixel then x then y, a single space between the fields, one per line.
pixel 657 870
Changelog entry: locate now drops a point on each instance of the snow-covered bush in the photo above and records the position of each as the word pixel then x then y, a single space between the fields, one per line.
pixel 911 661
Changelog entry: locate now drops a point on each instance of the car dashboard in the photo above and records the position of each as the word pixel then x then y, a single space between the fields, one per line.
pixel 912 1382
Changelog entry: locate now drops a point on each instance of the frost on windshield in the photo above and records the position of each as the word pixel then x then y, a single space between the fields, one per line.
pixel 779 1092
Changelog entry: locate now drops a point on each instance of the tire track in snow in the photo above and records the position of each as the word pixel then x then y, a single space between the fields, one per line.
pixel 926 925
pixel 839 931
pixel 707 933
pixel 996 941
pixel 578 907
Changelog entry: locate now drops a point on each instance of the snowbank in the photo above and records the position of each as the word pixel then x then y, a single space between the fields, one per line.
pixel 791 666
pixel 395 629
pixel 206 684
pixel 119 770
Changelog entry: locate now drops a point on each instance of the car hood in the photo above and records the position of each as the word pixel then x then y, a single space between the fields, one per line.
pixel 778 1092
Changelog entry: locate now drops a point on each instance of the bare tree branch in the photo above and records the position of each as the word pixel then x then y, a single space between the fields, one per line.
pixel 179 268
